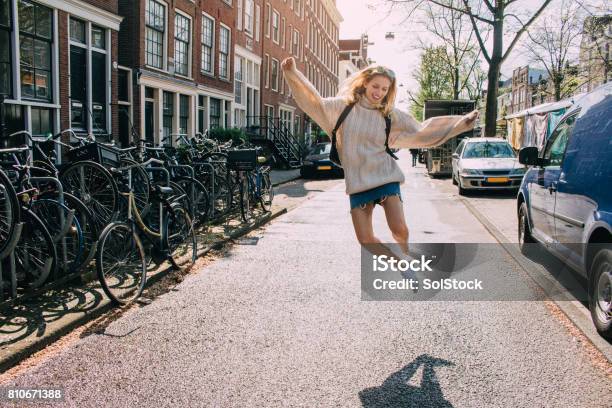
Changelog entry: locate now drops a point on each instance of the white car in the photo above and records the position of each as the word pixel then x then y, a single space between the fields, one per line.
pixel 486 163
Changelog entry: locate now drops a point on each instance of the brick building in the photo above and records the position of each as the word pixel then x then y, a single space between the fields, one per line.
pixel 248 50
pixel 595 67
pixel 353 56
pixel 308 31
pixel 58 65
pixel 525 83
pixel 176 63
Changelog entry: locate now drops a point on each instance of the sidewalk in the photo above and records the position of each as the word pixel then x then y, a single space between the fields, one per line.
pixel 283 176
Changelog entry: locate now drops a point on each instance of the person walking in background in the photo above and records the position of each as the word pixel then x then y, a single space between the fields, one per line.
pixel 415 155
pixel 371 175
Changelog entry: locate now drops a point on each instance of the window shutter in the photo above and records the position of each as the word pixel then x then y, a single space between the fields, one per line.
pixel 257 19
pixel 239 21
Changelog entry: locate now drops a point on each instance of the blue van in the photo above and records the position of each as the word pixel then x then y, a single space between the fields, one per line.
pixel 565 199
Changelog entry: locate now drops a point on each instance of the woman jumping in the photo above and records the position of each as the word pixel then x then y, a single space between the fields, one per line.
pixel 371 174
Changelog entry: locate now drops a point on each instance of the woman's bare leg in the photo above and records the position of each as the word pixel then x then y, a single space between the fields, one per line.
pixel 394 211
pixel 362 222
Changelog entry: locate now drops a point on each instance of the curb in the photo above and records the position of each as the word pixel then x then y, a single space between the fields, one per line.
pixel 105 305
pixel 570 306
pixel 286 181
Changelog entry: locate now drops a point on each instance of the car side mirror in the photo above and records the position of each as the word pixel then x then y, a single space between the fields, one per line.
pixel 529 156
pixel 455 155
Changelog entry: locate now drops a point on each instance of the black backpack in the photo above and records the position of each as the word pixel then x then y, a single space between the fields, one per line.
pixel 333 154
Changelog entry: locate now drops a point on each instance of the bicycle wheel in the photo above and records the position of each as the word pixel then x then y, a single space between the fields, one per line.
pixel 141 185
pixel 120 263
pixel 9 212
pixel 182 242
pixel 89 230
pixel 35 254
pixel 198 197
pixel 68 239
pixel 245 199
pixel 95 187
pixel 266 194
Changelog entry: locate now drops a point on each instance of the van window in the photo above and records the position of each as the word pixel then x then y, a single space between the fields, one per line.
pixel 555 148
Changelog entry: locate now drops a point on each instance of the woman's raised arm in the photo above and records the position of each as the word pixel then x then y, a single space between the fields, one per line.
pixel 406 132
pixel 321 110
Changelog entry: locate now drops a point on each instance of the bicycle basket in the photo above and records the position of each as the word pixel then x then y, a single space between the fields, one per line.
pixel 242 159
pixel 99 153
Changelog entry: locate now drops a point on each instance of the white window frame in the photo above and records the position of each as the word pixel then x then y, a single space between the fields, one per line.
pixel 212 48
pixel 284 25
pixel 274 86
pixel 249 16
pixel 295 46
pixel 229 51
pixel 257 19
pixel 164 66
pixel 278 20
pixel 89 48
pixel 239 16
pixel 267 70
pixel 268 21
pixel 189 44
pixel 228 2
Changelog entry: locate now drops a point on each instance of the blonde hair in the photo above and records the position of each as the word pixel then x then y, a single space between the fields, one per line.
pixel 353 88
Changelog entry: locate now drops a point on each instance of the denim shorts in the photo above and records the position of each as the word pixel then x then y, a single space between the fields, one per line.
pixel 375 195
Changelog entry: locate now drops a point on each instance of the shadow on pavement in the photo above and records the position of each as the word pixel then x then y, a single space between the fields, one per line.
pixel 395 391
pixel 32 317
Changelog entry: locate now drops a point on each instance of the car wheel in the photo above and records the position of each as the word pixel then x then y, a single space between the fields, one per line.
pixel 462 191
pixel 600 292
pixel 524 233
pixel 454 179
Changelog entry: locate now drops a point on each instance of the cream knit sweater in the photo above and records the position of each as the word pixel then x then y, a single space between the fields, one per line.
pixel 361 138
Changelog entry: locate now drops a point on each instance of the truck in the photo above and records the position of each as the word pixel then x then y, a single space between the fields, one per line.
pixel 439 159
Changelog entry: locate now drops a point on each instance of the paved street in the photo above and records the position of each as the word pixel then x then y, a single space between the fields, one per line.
pixel 280 322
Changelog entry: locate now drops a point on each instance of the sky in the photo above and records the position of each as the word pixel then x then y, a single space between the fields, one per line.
pixel 367 16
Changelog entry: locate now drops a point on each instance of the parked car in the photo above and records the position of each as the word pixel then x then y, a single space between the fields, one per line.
pixel 486 163
pixel 565 200
pixel 317 163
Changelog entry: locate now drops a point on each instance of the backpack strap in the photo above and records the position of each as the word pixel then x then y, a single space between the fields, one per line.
pixel 387 132
pixel 343 116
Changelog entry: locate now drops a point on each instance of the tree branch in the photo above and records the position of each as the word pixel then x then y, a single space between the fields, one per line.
pixel 524 28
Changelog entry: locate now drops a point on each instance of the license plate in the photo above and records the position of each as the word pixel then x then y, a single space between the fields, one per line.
pixel 497 179
pixel 323 167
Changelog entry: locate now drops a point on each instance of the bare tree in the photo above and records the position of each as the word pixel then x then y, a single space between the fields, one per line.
pixel 553 43
pixel 493 16
pixel 452 29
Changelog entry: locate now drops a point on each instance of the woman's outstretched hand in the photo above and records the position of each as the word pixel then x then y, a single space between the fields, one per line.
pixel 288 64
pixel 469 120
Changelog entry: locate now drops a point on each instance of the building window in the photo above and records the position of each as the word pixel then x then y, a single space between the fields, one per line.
pixel 267 71
pixel 98 37
pixel 274 77
pixel 248 16
pixel 77 31
pixel 155 14
pixel 183 114
pixel 284 33
pixel 296 43
pixel 257 19
pixel 168 108
pixel 215 113
pixel 267 22
pixel 88 100
pixel 224 49
pixel 42 121
pixel 78 88
pixel 35 38
pixel 238 80
pixel 275 26
pixel 5 48
pixel 182 35
pixel 208 36
pixel 297 6
pixel 98 91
